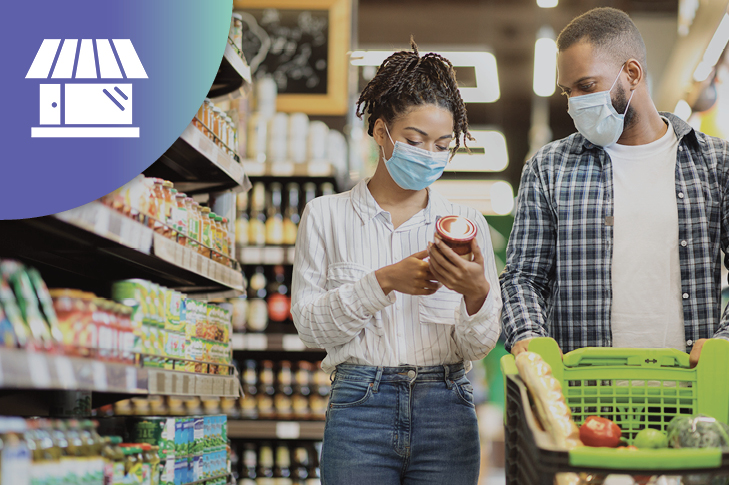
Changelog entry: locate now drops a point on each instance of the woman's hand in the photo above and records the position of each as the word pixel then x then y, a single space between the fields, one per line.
pixel 459 275
pixel 411 276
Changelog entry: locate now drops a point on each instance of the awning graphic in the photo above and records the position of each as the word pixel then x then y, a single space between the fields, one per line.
pixel 116 60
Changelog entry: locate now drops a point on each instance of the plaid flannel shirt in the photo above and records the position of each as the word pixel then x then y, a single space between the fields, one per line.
pixel 557 279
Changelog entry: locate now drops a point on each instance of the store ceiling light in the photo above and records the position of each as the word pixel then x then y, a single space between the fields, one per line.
pixel 545 63
pixel 484 64
pixel 547 3
pixel 713 51
pixel 682 110
pixel 489 197
pixel 488 154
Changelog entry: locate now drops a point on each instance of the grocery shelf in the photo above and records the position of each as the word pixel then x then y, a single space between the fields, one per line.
pixel 178 383
pixel 92 245
pixel 279 430
pixel 196 164
pixel 24 369
pixel 232 74
pixel 276 342
pixel 321 169
pixel 267 255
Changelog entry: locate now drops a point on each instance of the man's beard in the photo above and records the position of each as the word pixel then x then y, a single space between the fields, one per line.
pixel 620 102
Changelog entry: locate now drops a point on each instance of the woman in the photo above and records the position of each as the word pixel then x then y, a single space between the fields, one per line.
pixel 401 319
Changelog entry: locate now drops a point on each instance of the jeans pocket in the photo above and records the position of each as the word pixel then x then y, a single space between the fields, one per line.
pixel 464 389
pixel 349 393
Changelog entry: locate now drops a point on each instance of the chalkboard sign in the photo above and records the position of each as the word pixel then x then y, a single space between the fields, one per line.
pixel 303 45
pixel 291 46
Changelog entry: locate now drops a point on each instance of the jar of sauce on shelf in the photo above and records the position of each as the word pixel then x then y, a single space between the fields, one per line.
pixel 457 232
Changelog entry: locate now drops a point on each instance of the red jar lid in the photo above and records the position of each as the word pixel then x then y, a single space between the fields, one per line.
pixel 455 228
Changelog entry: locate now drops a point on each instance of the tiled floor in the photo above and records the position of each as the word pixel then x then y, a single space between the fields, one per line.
pixel 496 477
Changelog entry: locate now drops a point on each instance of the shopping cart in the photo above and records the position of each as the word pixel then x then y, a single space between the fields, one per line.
pixel 636 388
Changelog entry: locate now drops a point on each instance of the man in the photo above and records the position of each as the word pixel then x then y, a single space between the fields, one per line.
pixel 618 228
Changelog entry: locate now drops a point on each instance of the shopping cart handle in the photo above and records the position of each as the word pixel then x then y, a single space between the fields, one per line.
pixel 632 357
pixel 608 356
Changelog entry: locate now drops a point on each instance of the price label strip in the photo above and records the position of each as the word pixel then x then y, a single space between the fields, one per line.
pixel 288 430
pixel 99 373
pixel 66 373
pixel 40 375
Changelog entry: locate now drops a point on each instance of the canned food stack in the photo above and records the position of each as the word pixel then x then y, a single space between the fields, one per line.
pixel 190 448
pixel 177 332
pixel 156 203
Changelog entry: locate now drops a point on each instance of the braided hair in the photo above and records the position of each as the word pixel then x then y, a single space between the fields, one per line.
pixel 405 79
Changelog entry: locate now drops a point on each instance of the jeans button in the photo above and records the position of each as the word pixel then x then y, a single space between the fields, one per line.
pixel 411 374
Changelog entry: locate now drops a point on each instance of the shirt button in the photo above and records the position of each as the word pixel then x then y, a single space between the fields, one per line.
pixel 689 343
pixel 684 243
pixel 411 374
pixel 680 195
pixel 680 148
pixel 685 296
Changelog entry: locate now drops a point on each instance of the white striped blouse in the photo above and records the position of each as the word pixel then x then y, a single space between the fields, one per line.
pixel 338 305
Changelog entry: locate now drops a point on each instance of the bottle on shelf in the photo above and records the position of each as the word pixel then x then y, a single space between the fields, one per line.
pixel 327 188
pixel 284 391
pixel 279 296
pixel 207 231
pixel 266 391
pixel 282 469
pixel 274 218
pixel 313 476
pixel 249 470
pixel 249 404
pixel 291 216
pixel 299 467
pixel 181 218
pixel 241 221
pixel 264 473
pixel 309 195
pixel 257 307
pixel 257 219
pixel 302 390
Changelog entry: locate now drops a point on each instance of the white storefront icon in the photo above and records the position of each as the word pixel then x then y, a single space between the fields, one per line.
pixel 95 105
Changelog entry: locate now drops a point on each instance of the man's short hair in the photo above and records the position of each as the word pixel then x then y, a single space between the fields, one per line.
pixel 609 30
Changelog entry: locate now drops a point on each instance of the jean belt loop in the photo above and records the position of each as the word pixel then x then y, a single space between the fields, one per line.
pixel 446 371
pixel 378 377
pixel 333 375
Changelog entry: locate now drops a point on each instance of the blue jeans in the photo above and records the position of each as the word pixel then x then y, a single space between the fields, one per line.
pixel 400 425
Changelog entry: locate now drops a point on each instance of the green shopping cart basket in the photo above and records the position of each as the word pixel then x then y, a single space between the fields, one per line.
pixel 635 388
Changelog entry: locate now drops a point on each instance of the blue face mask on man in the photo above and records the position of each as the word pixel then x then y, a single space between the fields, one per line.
pixel 413 168
pixel 595 116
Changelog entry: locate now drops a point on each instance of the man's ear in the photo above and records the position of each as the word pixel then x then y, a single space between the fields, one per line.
pixel 635 72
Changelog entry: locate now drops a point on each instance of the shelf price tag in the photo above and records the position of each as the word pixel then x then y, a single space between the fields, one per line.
pixel 288 430
pixel 238 341
pixel 319 169
pixel 282 169
pixel 131 378
pixel 40 376
pixel 65 372
pixel 98 370
pixel 256 341
pixel 293 343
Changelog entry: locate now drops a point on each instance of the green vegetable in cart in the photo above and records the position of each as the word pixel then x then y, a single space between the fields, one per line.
pixel 697 431
pixel 651 438
pixel 598 431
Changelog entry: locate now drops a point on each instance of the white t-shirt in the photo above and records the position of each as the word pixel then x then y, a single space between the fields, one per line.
pixel 646 273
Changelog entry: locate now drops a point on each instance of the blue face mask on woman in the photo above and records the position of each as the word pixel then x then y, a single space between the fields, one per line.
pixel 413 168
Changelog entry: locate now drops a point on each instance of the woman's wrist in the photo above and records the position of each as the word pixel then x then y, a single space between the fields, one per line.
pixel 475 299
pixel 383 280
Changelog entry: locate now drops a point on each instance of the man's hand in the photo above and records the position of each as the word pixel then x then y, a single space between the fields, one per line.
pixel 459 275
pixel 411 276
pixel 696 351
pixel 520 346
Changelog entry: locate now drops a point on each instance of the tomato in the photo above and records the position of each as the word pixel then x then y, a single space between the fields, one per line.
pixel 597 431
